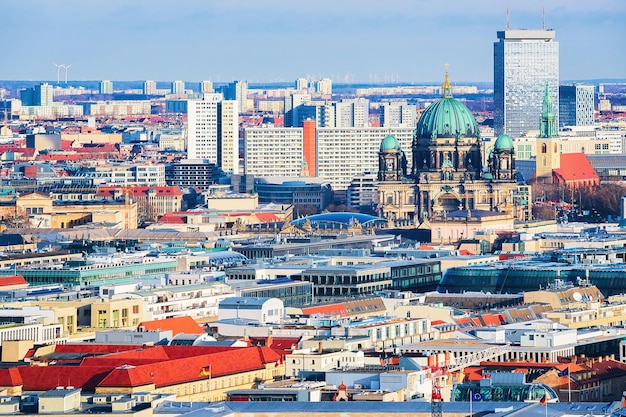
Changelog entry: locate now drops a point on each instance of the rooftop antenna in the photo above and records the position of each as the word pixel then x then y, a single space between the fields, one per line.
pixel 543 18
pixel 507 19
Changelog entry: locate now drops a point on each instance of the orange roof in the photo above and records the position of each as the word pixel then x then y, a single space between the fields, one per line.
pixel 10 377
pixel 575 166
pixel 184 324
pixel 12 280
pixel 267 217
pixel 330 309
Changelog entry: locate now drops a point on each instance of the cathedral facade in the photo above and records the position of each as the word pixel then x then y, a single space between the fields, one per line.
pixel 447 174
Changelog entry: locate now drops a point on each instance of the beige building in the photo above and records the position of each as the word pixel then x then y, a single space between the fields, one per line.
pixel 117 313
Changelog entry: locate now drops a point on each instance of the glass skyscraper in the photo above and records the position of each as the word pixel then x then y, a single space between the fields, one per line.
pixel 523 62
pixel 576 105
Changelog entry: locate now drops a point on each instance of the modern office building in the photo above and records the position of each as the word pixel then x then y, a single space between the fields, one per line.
pixel 149 87
pixel 310 193
pixel 190 173
pixel 398 114
pixel 106 87
pixel 178 87
pixel 213 125
pixel 524 62
pixel 576 105
pixel 273 151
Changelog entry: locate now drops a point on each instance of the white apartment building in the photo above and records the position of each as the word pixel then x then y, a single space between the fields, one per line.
pixel 213 131
pixel 273 151
pixel 202 127
pixel 196 301
pixel 228 136
pixel 128 174
pixel 345 153
pixel 117 108
pixel 149 87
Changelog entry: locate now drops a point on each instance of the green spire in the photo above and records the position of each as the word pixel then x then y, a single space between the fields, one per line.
pixel 548 120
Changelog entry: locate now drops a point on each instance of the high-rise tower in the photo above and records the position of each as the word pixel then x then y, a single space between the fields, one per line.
pixel 524 62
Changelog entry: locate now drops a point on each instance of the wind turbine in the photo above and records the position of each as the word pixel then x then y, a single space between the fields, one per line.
pixel 59 66
pixel 66 68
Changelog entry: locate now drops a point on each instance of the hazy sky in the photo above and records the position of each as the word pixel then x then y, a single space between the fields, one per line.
pixel 281 40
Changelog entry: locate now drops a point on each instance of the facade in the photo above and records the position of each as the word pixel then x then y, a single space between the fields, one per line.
pixel 178 87
pixel 576 105
pixel 298 193
pixel 352 113
pixel 324 86
pixel 106 87
pixel 191 173
pixel 362 191
pixel 395 192
pixel 398 114
pixel 524 62
pixel 273 151
pixel 228 136
pixel 149 87
pixel 202 136
pixel 152 202
pixel 447 163
pixel 291 102
pixel 346 153
pixel 237 91
pixel 213 131
pixel 206 86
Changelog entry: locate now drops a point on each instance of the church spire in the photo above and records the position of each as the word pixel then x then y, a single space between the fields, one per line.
pixel 447 88
pixel 548 120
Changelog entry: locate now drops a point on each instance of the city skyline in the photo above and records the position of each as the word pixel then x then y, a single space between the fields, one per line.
pixel 279 41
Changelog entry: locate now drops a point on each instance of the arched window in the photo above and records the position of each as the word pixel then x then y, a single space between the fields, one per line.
pixel 544 148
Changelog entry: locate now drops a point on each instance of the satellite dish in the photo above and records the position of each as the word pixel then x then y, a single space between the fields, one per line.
pixel 577 296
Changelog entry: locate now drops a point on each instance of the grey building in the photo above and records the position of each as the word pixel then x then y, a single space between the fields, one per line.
pixel 191 173
pixel 576 105
pixel 524 61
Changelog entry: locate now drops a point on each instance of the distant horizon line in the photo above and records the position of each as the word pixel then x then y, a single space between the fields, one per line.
pixel 397 83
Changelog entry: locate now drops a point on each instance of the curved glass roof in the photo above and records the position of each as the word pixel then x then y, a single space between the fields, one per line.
pixel 340 218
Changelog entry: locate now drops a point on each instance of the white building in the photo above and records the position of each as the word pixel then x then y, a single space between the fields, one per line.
pixel 213 131
pixel 149 87
pixel 206 86
pixel 273 151
pixel 106 87
pixel 178 87
pixel 252 309
pixel 398 114
pixel 324 86
pixel 345 153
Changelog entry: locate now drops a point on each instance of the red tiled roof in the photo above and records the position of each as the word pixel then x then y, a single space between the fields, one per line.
pixel 10 377
pixel 93 348
pixel 176 371
pixel 43 378
pixel 183 324
pixel 12 280
pixel 575 166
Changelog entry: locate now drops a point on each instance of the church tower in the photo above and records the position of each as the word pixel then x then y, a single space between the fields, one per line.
pixel 548 143
pixel 395 192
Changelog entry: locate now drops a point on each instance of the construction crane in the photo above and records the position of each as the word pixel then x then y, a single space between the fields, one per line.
pixel 438 369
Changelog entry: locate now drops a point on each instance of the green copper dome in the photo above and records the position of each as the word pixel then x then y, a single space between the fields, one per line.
pixel 447 118
pixel 389 143
pixel 503 142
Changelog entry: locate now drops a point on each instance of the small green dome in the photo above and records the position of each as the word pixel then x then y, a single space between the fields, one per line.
pixel 503 142
pixel 447 118
pixel 389 143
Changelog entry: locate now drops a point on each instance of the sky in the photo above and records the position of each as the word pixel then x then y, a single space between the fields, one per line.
pixel 281 40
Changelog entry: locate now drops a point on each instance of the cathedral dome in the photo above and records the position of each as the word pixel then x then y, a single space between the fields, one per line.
pixel 389 143
pixel 504 142
pixel 447 118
